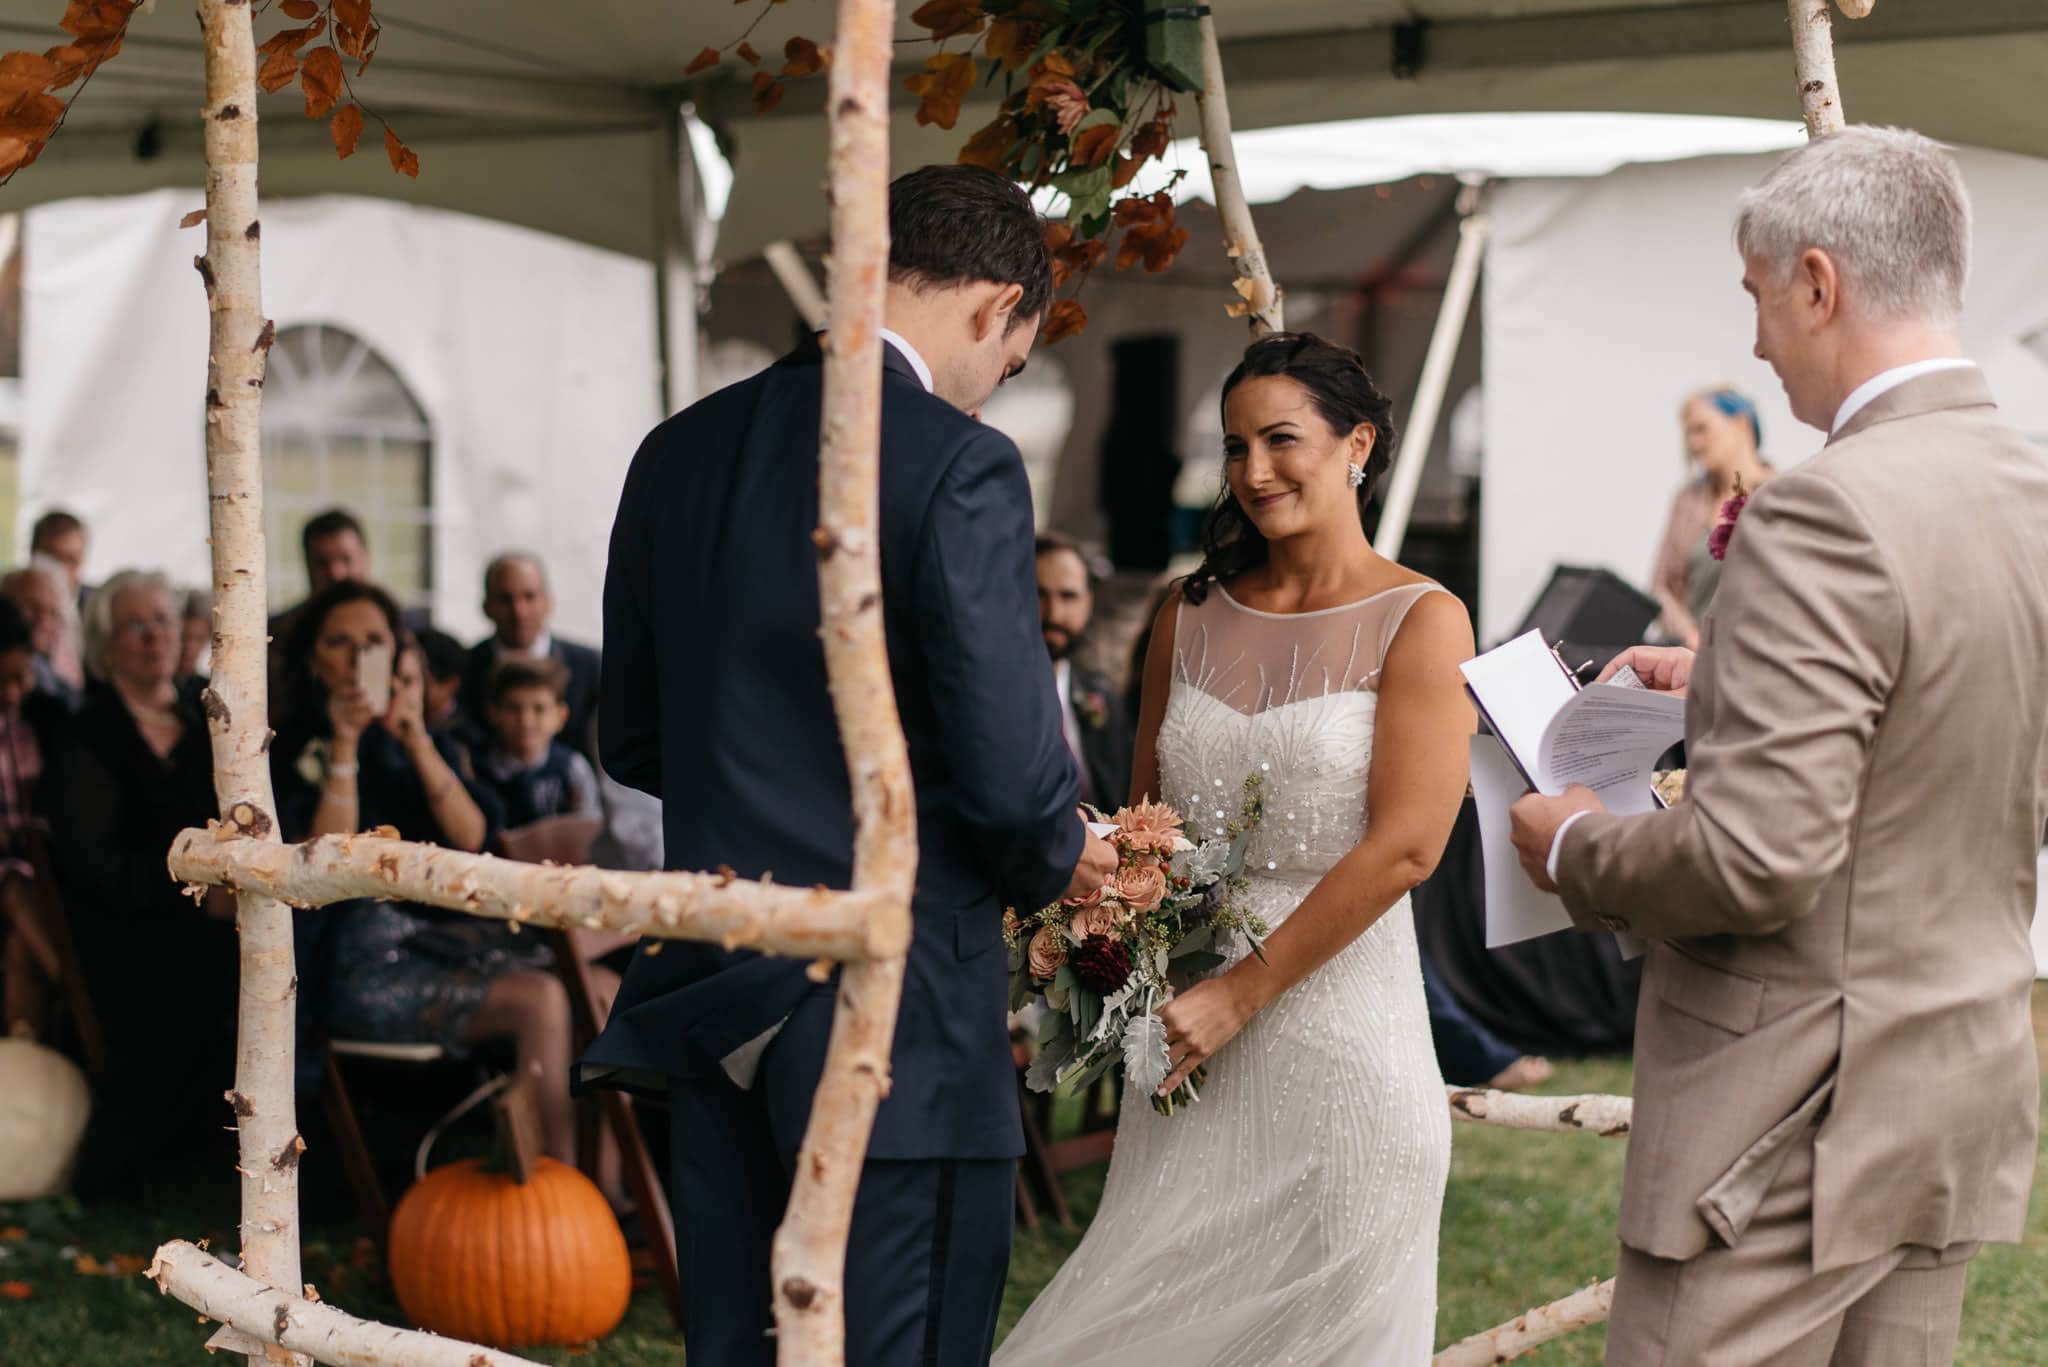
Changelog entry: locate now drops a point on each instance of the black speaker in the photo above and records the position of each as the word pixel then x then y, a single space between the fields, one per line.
pixel 1593 613
pixel 1139 459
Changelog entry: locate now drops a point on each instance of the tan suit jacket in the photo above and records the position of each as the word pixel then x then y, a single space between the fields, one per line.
pixel 1841 904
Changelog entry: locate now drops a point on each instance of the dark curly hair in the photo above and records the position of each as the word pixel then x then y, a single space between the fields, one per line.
pixel 305 700
pixel 1337 382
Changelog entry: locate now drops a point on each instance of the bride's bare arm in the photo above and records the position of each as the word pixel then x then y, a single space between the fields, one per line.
pixel 1419 771
pixel 1158 682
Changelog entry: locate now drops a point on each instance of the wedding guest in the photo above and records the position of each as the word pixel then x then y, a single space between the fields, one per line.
pixel 130 770
pixel 1092 714
pixel 391 971
pixel 520 606
pixel 60 536
pixel 38 589
pixel 195 633
pixel 534 775
pixel 1722 435
pixel 29 721
pixel 445 660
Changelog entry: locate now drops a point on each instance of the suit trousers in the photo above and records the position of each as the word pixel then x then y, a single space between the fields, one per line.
pixel 1761 1304
pixel 926 1257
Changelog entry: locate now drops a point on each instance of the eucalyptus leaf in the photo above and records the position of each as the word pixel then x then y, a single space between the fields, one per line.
pixel 1102 1062
pixel 1201 937
pixel 1146 1062
pixel 1087 1011
pixel 1043 1075
pixel 1199 961
pixel 1052 1025
pixel 1020 992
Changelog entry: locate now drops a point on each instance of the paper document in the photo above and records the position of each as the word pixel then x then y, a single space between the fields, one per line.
pixel 1608 738
pixel 1515 910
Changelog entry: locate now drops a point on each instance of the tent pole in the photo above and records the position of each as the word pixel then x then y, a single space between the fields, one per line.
pixel 1436 376
pixel 679 238
pixel 797 282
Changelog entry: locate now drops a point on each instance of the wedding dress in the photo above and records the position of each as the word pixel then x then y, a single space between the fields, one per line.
pixel 1290 1215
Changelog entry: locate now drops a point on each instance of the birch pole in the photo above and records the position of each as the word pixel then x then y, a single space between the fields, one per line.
pixel 1526 1331
pixel 809 1261
pixel 1813 58
pixel 237 702
pixel 1258 297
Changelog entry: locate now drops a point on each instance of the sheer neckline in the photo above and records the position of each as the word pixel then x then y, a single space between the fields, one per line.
pixel 1317 612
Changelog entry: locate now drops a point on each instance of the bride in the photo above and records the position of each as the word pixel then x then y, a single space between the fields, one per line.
pixel 1290 1216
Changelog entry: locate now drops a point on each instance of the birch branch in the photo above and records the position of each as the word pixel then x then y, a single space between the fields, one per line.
pixel 1606 1116
pixel 270 1316
pixel 1539 1326
pixel 237 701
pixel 799 922
pixel 1258 297
pixel 1813 58
pixel 809 1259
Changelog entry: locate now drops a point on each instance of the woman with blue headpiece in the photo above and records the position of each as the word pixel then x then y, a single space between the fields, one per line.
pixel 1722 435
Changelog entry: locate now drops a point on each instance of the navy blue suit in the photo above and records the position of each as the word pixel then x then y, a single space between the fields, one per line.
pixel 714 699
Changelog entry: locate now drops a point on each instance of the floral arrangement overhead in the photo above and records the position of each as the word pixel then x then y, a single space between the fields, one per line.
pixel 1087 102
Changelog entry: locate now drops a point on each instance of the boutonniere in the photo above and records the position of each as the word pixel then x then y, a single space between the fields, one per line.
pixel 1724 522
pixel 312 762
pixel 1094 709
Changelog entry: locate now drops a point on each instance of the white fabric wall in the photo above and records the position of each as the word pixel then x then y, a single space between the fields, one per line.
pixel 1608 299
pixel 535 359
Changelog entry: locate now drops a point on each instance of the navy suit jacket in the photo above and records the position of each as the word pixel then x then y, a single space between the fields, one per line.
pixel 714 700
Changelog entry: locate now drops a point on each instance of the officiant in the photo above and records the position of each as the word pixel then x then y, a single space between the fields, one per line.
pixel 1092 713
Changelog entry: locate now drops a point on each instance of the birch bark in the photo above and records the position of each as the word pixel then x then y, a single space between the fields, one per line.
pixel 1527 1331
pixel 1258 297
pixel 1813 59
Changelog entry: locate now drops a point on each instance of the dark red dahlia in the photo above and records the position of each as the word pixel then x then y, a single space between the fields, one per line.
pixel 1100 964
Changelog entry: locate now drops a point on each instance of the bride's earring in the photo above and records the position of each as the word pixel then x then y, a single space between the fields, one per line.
pixel 1355 473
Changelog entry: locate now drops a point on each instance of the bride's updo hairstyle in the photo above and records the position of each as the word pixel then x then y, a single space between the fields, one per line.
pixel 1346 397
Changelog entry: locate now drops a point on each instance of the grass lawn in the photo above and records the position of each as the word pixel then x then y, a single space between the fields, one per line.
pixel 1528 1218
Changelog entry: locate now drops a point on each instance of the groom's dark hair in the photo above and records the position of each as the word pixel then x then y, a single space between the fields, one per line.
pixel 954 225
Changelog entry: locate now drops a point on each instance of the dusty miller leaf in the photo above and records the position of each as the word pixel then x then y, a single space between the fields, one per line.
pixel 1145 1056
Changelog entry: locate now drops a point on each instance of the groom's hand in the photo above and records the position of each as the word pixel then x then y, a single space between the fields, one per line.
pixel 1097 863
pixel 1663 669
pixel 1536 820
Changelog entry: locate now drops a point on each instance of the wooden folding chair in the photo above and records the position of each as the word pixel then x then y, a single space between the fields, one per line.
pixel 567 840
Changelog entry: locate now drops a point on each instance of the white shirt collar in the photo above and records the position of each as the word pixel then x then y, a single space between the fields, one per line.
pixel 1062 677
pixel 543 646
pixel 909 353
pixel 1884 382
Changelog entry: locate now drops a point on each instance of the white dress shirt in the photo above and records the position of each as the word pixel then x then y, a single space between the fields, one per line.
pixel 1860 398
pixel 542 647
pixel 909 353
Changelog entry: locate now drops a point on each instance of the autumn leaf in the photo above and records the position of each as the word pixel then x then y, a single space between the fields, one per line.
pixel 802 57
pixel 1071 258
pixel 990 147
pixel 1156 244
pixel 25 73
pixel 1154 138
pixel 746 53
pixel 403 159
pixel 1142 209
pixel 1064 319
pixel 1092 146
pixel 703 61
pixel 96 18
pixel 292 39
pixel 16 1291
pixel 278 72
pixel 352 14
pixel 1011 42
pixel 191 220
pixel 321 77
pixel 767 92
pixel 947 79
pixel 1058 235
pixel 346 126
pixel 1124 172
pixel 13 1234
pixel 299 9
pixel 949 18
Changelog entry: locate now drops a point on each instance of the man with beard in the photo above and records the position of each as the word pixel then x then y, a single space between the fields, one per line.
pixel 1092 713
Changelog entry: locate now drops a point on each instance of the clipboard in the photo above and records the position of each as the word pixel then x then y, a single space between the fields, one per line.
pixel 1627 678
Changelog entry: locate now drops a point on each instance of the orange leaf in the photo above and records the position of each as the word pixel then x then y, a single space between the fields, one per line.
pixel 1065 318
pixel 703 61
pixel 1058 235
pixel 16 1291
pixel 1092 146
pixel 767 92
pixel 292 39
pixel 402 157
pixel 13 1234
pixel 990 148
pixel 804 58
pixel 352 14
pixel 346 126
pixel 745 52
pixel 321 78
pixel 1124 172
pixel 1154 138
pixel 1011 42
pixel 31 118
pixel 16 153
pixel 949 18
pixel 85 1265
pixel 277 73
pixel 129 1264
pixel 299 9
pixel 946 80
pixel 25 73
pixel 193 219
pixel 96 18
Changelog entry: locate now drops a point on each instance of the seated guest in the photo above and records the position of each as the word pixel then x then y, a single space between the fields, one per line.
pixel 195 633
pixel 1722 435
pixel 517 601
pixel 337 550
pixel 401 972
pixel 445 660
pixel 39 590
pixel 534 775
pixel 27 720
pixel 1092 711
pixel 127 773
pixel 60 537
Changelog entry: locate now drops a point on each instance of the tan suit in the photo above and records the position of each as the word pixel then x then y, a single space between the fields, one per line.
pixel 1835 1025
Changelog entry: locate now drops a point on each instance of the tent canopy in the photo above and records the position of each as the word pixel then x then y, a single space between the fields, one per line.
pixel 561 117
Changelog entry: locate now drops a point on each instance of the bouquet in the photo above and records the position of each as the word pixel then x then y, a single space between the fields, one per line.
pixel 1105 964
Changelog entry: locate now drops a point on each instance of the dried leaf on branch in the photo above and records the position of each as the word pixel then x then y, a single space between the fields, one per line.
pixel 30 112
pixel 767 92
pixel 403 160
pixel 947 80
pixel 703 61
pixel 1150 235
pixel 949 18
pixel 320 77
pixel 1011 42
pixel 347 127
pixel 801 57
pixel 1065 318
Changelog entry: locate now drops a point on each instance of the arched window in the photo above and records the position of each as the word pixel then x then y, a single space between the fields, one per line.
pixel 340 429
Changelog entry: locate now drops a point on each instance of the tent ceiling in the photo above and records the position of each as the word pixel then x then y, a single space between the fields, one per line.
pixel 549 115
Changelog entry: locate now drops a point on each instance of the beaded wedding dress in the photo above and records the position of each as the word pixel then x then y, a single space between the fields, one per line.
pixel 1289 1216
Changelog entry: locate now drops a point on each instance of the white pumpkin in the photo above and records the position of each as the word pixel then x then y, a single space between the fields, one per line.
pixel 43 1105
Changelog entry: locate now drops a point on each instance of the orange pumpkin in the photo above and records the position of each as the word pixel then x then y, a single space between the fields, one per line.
pixel 477 1255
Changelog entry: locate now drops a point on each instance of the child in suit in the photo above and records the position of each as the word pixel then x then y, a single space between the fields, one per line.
pixel 533 773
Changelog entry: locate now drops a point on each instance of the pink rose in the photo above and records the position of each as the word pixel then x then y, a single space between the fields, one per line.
pixel 1094 919
pixel 1141 887
pixel 1047 952
pixel 1089 899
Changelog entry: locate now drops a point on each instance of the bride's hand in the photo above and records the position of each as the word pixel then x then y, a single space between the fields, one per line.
pixel 1200 1021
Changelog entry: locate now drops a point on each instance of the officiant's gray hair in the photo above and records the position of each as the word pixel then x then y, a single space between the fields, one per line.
pixel 1887 204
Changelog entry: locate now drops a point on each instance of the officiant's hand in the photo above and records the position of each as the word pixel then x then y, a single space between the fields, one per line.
pixel 1200 1021
pixel 1536 820
pixel 1663 669
pixel 1097 863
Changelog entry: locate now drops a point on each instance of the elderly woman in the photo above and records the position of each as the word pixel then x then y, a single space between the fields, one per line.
pixel 1722 435
pixel 400 972
pixel 131 770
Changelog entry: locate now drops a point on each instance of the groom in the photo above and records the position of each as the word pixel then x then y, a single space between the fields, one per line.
pixel 714 699
pixel 1836 1084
